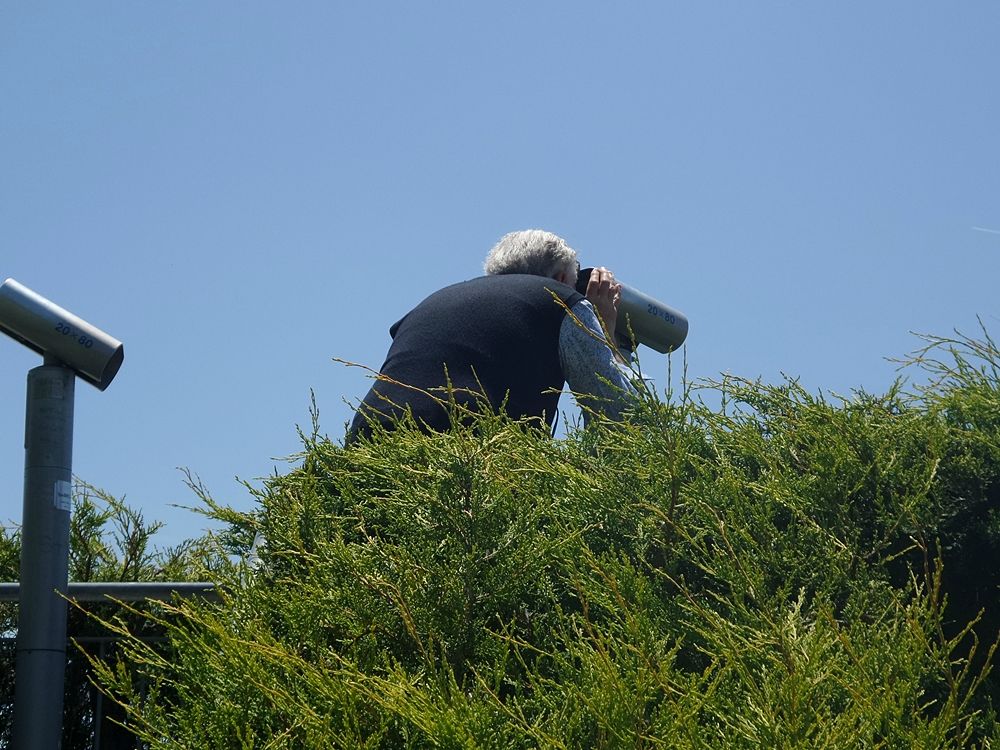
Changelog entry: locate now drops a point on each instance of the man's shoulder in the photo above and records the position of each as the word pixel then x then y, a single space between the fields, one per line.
pixel 503 293
pixel 529 282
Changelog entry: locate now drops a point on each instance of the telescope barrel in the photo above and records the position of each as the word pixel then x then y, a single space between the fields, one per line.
pixel 42 325
pixel 649 321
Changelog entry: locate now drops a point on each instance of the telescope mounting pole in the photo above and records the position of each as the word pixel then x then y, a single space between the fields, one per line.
pixel 42 612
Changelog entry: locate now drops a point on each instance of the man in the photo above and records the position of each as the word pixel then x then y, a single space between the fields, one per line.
pixel 505 338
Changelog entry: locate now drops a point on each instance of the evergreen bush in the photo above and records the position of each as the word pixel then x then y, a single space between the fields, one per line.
pixel 783 570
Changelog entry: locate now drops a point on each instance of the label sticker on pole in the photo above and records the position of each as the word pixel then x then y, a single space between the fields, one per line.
pixel 63 496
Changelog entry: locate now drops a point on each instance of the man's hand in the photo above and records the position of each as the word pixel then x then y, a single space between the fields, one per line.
pixel 604 294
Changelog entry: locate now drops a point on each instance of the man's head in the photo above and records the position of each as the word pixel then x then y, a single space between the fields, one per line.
pixel 536 252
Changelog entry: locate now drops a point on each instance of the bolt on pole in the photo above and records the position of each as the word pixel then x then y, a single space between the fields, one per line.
pixel 41 625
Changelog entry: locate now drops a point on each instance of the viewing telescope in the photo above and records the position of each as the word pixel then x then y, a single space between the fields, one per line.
pixel 42 325
pixel 70 348
pixel 644 319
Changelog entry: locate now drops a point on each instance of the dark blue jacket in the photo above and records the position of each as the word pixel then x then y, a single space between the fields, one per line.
pixel 495 335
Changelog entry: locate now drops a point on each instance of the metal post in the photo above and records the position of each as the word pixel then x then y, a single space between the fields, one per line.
pixel 41 625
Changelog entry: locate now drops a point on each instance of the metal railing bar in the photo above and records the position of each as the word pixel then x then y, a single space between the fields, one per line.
pixel 126 591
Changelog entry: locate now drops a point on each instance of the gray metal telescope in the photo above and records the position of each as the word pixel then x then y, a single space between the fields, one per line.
pixel 70 347
pixel 651 322
pixel 54 332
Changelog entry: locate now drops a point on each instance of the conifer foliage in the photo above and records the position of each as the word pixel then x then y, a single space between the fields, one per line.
pixel 781 569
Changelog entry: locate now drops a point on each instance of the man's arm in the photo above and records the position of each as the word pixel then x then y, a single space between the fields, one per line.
pixel 600 380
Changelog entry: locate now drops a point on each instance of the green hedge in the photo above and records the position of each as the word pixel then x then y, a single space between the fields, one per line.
pixel 781 569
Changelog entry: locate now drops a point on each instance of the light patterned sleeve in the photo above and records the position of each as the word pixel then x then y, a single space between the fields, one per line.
pixel 599 380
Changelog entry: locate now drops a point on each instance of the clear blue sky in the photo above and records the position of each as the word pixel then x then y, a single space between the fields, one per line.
pixel 242 191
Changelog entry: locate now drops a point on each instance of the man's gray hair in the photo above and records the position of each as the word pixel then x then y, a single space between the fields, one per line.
pixel 531 251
